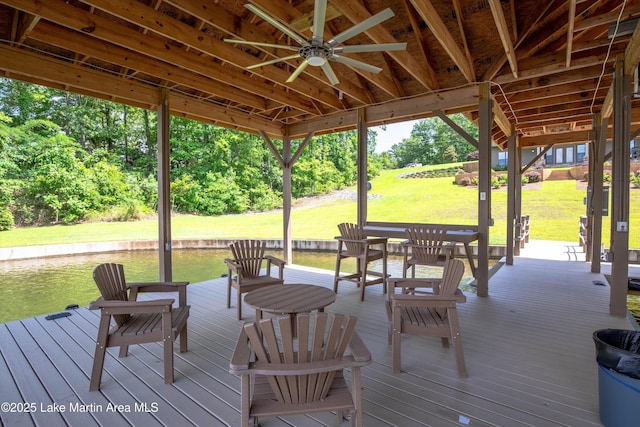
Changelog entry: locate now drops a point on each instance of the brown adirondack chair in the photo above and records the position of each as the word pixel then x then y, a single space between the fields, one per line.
pixel 282 375
pixel 136 322
pixel 425 246
pixel 245 269
pixel 429 314
pixel 353 243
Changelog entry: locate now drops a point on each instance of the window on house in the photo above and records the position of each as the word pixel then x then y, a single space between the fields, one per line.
pixel 569 153
pixel 503 157
pixel 581 151
pixel 548 157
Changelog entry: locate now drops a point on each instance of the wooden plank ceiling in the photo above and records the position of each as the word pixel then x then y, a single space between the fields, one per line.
pixel 550 61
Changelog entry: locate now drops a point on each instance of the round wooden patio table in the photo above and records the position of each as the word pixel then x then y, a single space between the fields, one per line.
pixel 289 299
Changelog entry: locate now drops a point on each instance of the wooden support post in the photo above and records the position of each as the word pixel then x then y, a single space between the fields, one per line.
pixel 286 199
pixel 363 186
pixel 596 170
pixel 164 188
pixel 513 177
pixel 620 191
pixel 484 188
pixel 518 198
pixel 286 161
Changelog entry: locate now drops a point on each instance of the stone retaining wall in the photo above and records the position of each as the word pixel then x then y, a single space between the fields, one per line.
pixel 26 252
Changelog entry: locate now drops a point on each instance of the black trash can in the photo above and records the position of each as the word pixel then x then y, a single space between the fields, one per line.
pixel 618 357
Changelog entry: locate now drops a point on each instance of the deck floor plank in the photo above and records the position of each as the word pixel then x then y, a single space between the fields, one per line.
pixel 64 357
pixel 10 393
pixel 26 379
pixel 37 353
pixel 528 348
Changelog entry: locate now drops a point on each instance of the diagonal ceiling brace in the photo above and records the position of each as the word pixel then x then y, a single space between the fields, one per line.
pixel 453 125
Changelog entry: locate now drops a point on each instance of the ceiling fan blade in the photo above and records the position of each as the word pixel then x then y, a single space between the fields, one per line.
pixel 357 48
pixel 276 46
pixel 361 27
pixel 356 63
pixel 273 61
pixel 328 71
pixel 262 14
pixel 319 16
pixel 298 70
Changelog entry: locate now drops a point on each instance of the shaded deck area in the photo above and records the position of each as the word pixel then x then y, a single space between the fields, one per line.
pixel 528 348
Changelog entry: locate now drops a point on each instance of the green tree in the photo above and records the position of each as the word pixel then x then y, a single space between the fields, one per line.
pixel 430 140
pixel 6 184
pixel 450 155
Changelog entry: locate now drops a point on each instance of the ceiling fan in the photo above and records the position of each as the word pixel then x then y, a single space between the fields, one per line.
pixel 317 52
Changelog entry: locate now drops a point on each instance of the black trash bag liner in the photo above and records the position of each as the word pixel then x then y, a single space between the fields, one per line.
pixel 618 349
pixel 634 283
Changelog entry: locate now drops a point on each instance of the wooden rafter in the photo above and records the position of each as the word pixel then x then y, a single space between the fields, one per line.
pixel 431 16
pixel 572 17
pixel 503 30
pixel 421 41
pixel 465 45
pixel 356 12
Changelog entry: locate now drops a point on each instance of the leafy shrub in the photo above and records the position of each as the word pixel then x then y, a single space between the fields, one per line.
pixel 6 218
pixel 264 198
pixel 606 175
pixel 495 182
pixel 533 176
pixel 474 155
pixel 432 173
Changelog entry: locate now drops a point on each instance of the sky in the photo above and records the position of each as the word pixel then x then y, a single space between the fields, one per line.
pixel 394 134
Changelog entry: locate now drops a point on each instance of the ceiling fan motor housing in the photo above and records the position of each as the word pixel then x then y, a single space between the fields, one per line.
pixel 315 55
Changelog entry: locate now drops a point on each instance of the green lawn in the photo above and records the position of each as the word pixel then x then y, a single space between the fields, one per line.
pixel 555 208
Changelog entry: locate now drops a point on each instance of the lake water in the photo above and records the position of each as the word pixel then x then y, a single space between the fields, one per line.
pixel 39 286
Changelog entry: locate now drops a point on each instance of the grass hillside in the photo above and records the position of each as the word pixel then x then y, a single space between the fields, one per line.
pixel 555 208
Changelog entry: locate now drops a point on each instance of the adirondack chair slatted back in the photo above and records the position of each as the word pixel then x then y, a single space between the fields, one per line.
pixel 351 233
pixel 249 254
pixel 426 244
pixel 452 275
pixel 325 339
pixel 113 287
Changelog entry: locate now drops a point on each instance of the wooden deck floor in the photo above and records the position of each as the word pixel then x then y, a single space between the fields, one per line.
pixel 528 348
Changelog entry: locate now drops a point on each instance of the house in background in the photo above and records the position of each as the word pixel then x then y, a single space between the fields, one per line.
pixel 560 155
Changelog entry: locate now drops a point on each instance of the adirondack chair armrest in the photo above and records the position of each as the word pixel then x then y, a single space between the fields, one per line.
pixel 232 265
pixel 277 262
pixel 376 240
pixel 241 356
pixel 157 286
pixel 95 305
pixel 344 239
pixel 359 350
pixel 132 307
pixel 179 287
pixel 367 241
